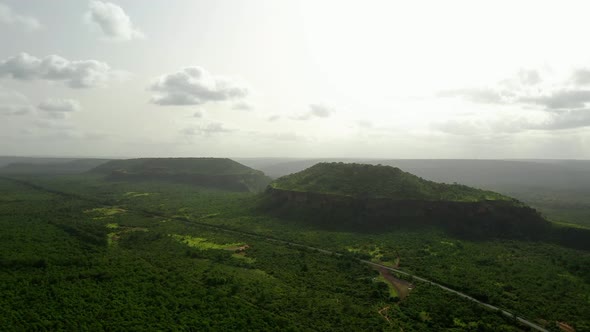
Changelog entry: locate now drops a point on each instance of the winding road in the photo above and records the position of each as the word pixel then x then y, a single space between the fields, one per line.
pixel 506 313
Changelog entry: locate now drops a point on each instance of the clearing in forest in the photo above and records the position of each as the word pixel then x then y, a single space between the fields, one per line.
pixel 204 244
pixel 402 287
pixel 106 211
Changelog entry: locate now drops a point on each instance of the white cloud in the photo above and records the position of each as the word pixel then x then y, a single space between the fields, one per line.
pixel 509 124
pixel 315 111
pixel 566 120
pixel 273 118
pixel 528 88
pixel 59 105
pixel 320 110
pixel 114 23
pixel 194 86
pixel 581 76
pixel 8 16
pixel 75 74
pixel 562 99
pixel 478 95
pixel 243 106
pixel 529 77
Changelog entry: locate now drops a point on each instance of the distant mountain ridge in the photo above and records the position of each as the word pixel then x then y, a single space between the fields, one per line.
pixel 221 173
pixel 64 166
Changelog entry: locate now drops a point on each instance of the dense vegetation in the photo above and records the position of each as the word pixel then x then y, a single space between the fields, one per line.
pixel 201 166
pixel 56 167
pixel 377 181
pixel 82 253
pixel 560 189
pixel 210 172
pixel 364 198
pixel 76 264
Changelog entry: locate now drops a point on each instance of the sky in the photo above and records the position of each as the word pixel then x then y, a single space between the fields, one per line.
pixel 229 78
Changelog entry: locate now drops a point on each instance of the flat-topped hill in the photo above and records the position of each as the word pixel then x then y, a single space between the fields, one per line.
pixel 222 173
pixel 377 181
pixel 211 166
pixel 366 197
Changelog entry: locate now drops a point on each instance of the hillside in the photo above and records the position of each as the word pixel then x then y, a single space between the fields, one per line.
pixel 377 181
pixel 221 173
pixel 369 198
pixel 65 166
pixel 560 189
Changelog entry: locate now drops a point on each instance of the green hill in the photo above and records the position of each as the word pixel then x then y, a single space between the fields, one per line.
pixel 377 181
pixel 222 173
pixel 362 197
pixel 75 166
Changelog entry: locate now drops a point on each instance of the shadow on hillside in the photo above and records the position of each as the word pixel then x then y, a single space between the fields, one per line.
pixel 516 223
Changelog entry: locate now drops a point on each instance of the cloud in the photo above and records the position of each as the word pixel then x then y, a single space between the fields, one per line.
pixel 581 76
pixel 315 111
pixel 112 20
pixel 320 110
pixel 244 106
pixel 194 86
pixel 527 88
pixel 14 103
pixel 59 105
pixel 507 91
pixel 529 77
pixel 198 114
pixel 75 74
pixel 566 120
pixel 565 99
pixel 208 130
pixel 478 95
pixel 558 120
pixel 7 16
pixel 273 118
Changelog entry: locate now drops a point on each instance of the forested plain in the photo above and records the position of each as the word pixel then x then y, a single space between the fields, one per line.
pixel 82 253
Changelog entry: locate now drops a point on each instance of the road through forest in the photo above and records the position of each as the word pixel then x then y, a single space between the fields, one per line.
pixel 521 320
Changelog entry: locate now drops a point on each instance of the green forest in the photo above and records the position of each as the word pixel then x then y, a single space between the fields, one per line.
pixel 85 252
pixel 378 181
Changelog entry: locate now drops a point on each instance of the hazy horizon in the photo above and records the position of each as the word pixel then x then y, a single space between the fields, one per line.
pixel 297 79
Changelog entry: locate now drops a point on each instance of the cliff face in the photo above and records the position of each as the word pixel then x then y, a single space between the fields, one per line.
pixel 230 182
pixel 484 218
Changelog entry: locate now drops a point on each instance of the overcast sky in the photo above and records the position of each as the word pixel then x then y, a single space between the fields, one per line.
pixel 382 79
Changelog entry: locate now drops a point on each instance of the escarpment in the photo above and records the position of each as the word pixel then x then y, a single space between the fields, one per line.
pixel 339 196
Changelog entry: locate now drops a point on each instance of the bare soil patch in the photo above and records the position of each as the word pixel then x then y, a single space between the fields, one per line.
pixel 402 287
